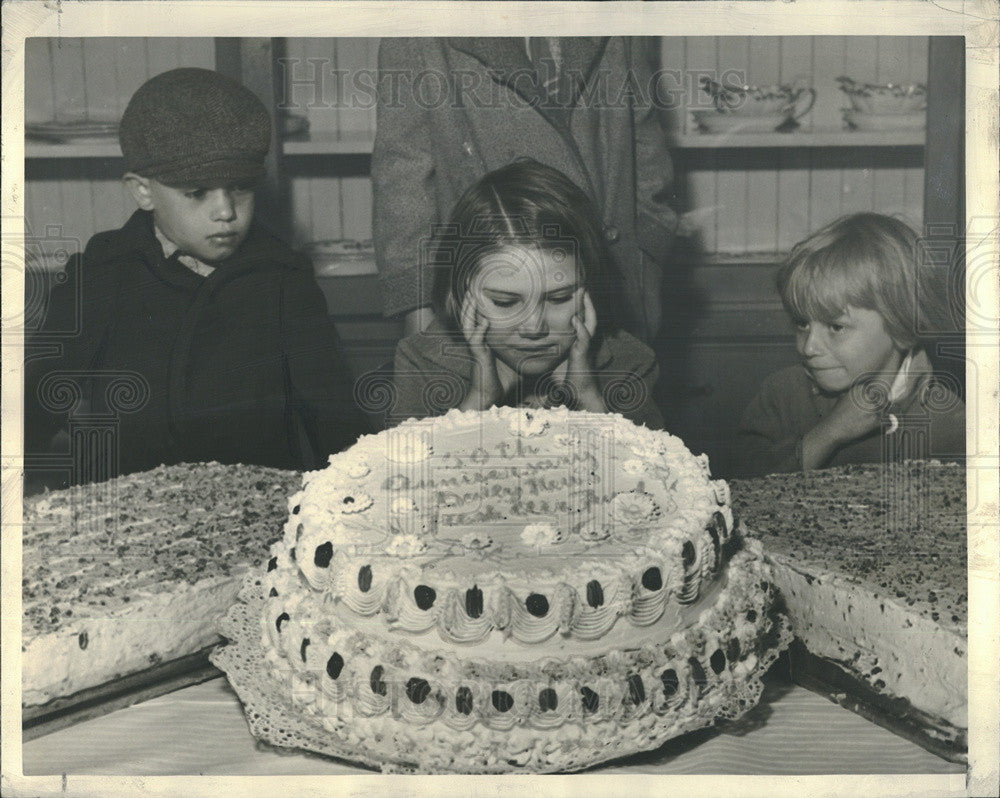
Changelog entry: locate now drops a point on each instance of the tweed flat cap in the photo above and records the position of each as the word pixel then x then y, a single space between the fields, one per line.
pixel 194 126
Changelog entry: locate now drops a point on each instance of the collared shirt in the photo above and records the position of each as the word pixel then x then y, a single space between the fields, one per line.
pixel 898 388
pixel 169 248
pixel 925 420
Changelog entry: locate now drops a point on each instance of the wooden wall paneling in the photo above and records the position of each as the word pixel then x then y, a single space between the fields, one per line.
pixel 196 52
pixel 762 173
pixel 353 55
pixel 889 182
pixel 371 65
pixel 68 87
pixel 943 191
pixel 731 177
pixel 102 216
pixel 702 210
pixel 356 198
pixel 828 64
pixel 327 207
pixel 163 54
pixel 315 91
pixel 918 49
pixel 824 191
pixel 762 200
pixel 293 97
pixel 301 210
pixel 793 165
pixel 861 58
pixel 857 189
pixel 893 65
pixel 732 200
pixel 100 83
pixel 131 67
pixel 257 57
pixel 794 191
pixel 112 206
pixel 913 202
pixel 39 83
pixel 914 176
pixel 43 207
pixel 765 60
pixel 76 212
pixel 825 180
pixel 796 68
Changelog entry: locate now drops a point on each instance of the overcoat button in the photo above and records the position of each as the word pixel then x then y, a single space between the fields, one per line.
pixel 611 234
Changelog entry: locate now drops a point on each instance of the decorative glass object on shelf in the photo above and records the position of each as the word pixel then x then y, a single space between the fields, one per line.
pixel 293 125
pixel 884 106
pixel 341 257
pixel 78 131
pixel 748 108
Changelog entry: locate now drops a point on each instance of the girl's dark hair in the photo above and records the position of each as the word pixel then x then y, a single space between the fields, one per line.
pixel 529 204
pixel 869 261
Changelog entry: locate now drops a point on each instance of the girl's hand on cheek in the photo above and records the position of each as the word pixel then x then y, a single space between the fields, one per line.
pixel 474 327
pixel 485 390
pixel 579 371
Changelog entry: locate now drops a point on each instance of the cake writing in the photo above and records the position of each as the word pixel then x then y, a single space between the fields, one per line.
pixel 477 490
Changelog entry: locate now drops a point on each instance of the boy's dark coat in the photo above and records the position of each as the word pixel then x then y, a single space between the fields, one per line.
pixel 243 366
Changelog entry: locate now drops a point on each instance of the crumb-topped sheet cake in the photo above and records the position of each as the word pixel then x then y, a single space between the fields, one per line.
pixel 871 564
pixel 122 575
pixel 515 590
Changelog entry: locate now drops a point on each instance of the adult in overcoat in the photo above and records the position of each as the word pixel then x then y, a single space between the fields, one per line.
pixel 452 109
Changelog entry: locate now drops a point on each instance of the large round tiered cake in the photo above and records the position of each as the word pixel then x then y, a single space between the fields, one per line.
pixel 514 591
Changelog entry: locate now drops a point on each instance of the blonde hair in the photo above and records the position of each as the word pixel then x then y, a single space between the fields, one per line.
pixel 865 260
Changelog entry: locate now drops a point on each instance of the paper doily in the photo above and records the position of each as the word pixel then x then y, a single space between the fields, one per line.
pixel 269 715
pixel 274 720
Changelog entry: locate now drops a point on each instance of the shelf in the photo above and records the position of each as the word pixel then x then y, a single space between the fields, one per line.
pixel 315 144
pixel 803 138
pixel 331 143
pixel 321 142
pixel 79 149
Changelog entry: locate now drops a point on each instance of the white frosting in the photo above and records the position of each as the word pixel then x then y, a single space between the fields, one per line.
pixel 485 501
pixel 512 568
pixel 896 651
pixel 99 649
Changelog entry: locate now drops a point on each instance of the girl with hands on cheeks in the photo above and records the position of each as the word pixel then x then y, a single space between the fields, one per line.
pixel 864 390
pixel 519 351
pixel 525 306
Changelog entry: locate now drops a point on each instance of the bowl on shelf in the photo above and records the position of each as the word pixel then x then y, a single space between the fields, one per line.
pixel 884 99
pixel 80 131
pixel 778 99
pixel 341 257
pixel 752 109
pixel 294 124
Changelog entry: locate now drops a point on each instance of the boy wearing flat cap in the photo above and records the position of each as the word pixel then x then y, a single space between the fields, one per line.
pixel 219 326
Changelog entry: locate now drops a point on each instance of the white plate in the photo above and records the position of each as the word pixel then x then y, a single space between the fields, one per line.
pixel 859 120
